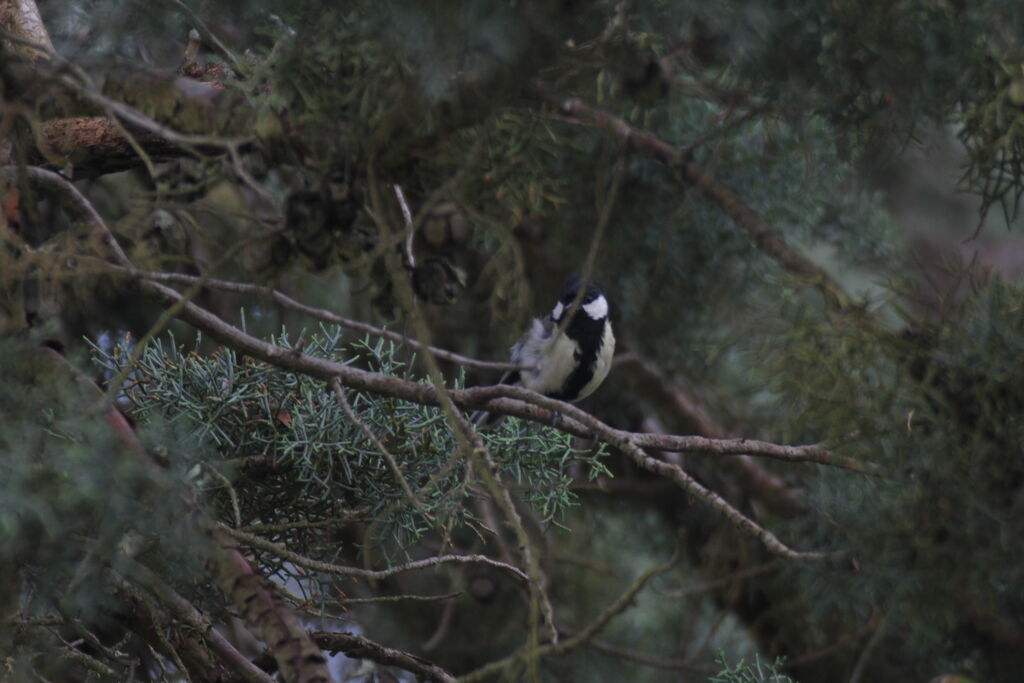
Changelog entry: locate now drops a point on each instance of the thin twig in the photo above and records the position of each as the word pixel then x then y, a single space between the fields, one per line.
pixel 186 612
pixel 530 405
pixel 641 658
pixel 869 649
pixel 343 570
pixel 583 637
pixel 707 586
pixel 397 598
pixel 410 228
pixel 762 235
pixel 359 647
pixel 339 394
pixel 319 313
pixel 236 508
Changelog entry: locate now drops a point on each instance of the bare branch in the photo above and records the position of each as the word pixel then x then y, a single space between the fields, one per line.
pixel 319 313
pixel 330 568
pixel 397 598
pixel 298 657
pixel 586 635
pixel 339 394
pixel 728 201
pixel 359 647
pixel 531 406
pixel 641 658
pixel 23 20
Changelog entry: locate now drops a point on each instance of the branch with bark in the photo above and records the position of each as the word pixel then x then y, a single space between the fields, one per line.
pixel 529 405
pixel 730 203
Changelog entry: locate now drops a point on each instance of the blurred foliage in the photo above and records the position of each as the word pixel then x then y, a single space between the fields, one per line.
pixel 938 409
pixel 73 502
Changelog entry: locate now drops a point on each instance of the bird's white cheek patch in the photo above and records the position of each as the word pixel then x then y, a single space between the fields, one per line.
pixel 556 313
pixel 596 309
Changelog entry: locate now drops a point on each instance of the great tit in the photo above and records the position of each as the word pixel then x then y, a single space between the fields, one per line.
pixel 568 354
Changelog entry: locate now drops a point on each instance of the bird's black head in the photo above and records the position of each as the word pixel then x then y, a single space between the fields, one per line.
pixel 593 303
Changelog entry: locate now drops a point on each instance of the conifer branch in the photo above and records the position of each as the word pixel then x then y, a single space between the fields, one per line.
pixel 530 405
pixel 359 647
pixel 372 574
pixel 339 394
pixel 187 613
pixel 620 605
pixel 252 594
pixel 318 313
pixel 732 204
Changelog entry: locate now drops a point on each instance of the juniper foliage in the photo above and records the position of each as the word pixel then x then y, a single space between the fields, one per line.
pixel 246 419
pixel 937 408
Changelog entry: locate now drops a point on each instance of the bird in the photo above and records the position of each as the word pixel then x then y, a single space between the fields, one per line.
pixel 567 355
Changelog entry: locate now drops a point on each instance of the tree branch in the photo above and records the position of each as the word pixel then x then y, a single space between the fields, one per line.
pixel 762 235
pixel 319 313
pixel 22 18
pixel 298 657
pixel 330 568
pixel 358 647
pixel 530 406
pixel 185 612
pixel 586 635
pixel 252 594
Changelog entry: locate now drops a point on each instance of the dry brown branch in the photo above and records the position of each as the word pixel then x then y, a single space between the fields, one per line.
pixel 621 604
pixel 22 18
pixel 762 235
pixel 397 598
pixel 256 598
pixel 318 313
pixel 359 647
pixel 343 570
pixel 530 405
pixel 641 658
pixel 346 407
pixel 539 409
pixel 185 612
pixel 96 146
pixel 688 444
